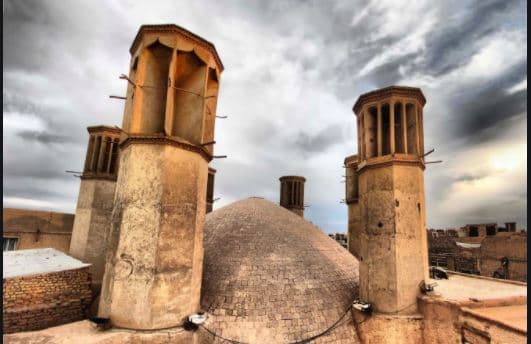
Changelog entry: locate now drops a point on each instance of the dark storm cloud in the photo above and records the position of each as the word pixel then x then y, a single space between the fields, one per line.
pixel 15 103
pixel 44 138
pixel 488 106
pixel 454 42
pixel 319 142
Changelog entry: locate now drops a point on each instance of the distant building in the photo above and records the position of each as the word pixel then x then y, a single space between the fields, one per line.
pixel 25 229
pixel 481 249
pixel 341 239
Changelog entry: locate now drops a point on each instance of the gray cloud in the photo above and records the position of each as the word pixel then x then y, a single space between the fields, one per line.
pixel 44 138
pixel 293 71
pixel 319 142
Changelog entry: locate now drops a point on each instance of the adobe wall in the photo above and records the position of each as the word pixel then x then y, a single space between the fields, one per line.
pixel 448 322
pixel 38 229
pixel 395 329
pixel 26 241
pixel 476 330
pixel 86 332
pixel 510 245
pixel 40 301
pixel 441 321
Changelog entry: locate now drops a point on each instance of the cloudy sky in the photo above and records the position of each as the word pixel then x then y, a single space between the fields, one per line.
pixel 293 71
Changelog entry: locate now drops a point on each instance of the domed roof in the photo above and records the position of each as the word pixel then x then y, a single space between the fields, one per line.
pixel 269 276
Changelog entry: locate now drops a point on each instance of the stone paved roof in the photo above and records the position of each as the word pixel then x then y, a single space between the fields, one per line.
pixel 272 277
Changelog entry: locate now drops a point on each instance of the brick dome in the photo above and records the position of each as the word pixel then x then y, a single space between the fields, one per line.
pixel 270 276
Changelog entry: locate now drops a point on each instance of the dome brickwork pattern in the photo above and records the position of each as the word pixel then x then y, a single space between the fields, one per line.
pixel 270 276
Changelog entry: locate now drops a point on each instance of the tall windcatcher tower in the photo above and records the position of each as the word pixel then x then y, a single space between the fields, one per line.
pixel 155 246
pixel 96 199
pixel 390 233
pixel 292 193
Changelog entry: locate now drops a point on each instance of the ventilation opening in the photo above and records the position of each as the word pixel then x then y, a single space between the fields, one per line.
pixel 491 230
pixel 114 157
pixel 411 120
pixel 155 88
pixel 210 104
pixel 372 132
pixel 386 143
pixel 189 93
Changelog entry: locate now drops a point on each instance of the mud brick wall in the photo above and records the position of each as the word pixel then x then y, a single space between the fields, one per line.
pixel 40 301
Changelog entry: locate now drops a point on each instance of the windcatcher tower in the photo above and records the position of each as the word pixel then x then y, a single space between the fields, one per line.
pixel 351 199
pixel 96 198
pixel 155 247
pixel 392 247
pixel 292 194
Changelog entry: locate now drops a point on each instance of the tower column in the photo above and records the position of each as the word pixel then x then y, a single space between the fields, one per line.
pixel 111 147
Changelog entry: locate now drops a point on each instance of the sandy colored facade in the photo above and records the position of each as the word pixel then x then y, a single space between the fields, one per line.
pixel 29 229
pixel 155 245
pixel 96 199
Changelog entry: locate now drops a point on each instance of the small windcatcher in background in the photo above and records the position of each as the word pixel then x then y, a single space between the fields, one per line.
pixel 292 193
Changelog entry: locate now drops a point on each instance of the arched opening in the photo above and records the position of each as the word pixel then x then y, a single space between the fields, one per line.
pixel 372 132
pixel 114 157
pixel 210 103
pixel 399 129
pixel 155 88
pixel 411 122
pixel 386 130
pixel 188 97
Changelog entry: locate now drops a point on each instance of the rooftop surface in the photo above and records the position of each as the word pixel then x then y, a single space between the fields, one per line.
pixel 465 288
pixel 514 316
pixel 37 261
